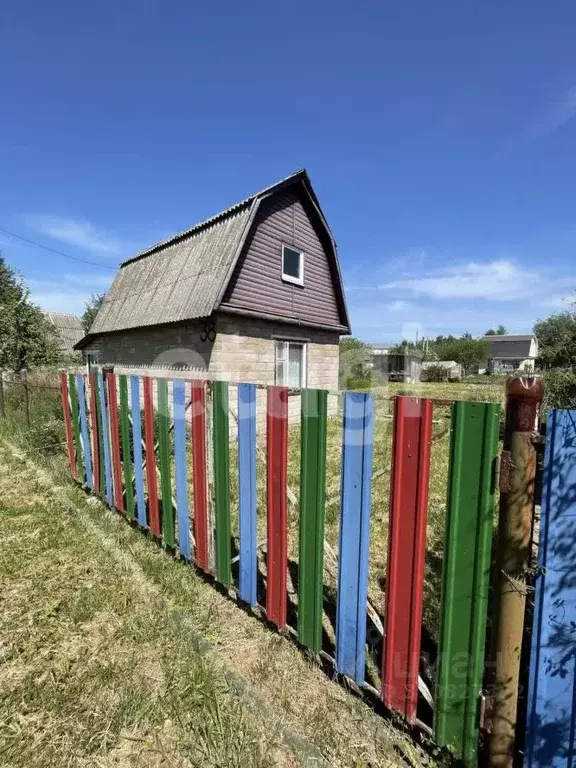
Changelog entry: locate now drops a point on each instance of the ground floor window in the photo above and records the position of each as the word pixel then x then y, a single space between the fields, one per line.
pixel 92 358
pixel 290 370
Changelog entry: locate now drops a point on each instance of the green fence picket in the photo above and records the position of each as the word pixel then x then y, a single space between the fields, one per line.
pixel 312 502
pixel 126 454
pixel 466 576
pixel 222 482
pixel 164 462
pixel 76 425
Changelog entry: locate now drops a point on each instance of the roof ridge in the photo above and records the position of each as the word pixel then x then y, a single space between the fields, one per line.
pixel 216 217
pixel 508 336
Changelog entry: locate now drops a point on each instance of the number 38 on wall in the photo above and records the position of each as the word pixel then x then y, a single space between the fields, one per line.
pixel 209 331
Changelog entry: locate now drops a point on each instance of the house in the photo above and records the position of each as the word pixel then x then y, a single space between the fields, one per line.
pixel 251 294
pixel 68 329
pixel 511 353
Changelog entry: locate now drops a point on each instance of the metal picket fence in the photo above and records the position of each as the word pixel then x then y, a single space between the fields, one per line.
pixel 125 450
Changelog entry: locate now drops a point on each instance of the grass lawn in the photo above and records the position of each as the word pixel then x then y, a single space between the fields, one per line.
pixel 114 654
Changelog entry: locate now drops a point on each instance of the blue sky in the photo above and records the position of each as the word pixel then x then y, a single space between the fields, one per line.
pixel 440 138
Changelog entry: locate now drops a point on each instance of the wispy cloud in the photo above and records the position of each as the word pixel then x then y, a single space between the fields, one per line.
pixel 70 294
pixel 399 306
pixel 77 232
pixel 501 280
pixel 555 115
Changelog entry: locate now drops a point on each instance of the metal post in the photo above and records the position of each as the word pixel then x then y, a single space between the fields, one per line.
pixel 517 478
pixel 24 378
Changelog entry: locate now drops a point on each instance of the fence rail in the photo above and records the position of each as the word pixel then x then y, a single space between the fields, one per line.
pixel 170 472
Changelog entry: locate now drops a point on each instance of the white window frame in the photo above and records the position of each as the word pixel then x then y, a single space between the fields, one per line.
pixel 290 278
pixel 304 370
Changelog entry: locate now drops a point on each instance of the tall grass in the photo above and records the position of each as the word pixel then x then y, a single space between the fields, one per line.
pixel 33 412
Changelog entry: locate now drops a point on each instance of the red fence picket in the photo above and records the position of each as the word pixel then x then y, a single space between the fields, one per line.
pixel 406 552
pixel 198 426
pixel 115 441
pixel 151 479
pixel 277 512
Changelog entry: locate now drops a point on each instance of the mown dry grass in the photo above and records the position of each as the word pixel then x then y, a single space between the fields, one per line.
pixel 92 672
pixel 101 662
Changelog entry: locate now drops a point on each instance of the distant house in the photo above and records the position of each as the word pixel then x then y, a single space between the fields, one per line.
pixel 381 349
pixel 68 330
pixel 252 294
pixel 511 353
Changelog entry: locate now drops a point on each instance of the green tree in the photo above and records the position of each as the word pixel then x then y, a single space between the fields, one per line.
pixel 355 359
pixel 557 340
pixel 499 331
pixel 470 353
pixel 92 307
pixel 27 340
pixel 467 351
pixel 404 347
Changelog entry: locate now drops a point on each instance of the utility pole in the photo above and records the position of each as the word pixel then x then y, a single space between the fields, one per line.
pixel 518 474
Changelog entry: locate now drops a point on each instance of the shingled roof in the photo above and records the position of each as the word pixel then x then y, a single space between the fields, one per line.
pixel 68 328
pixel 513 346
pixel 185 277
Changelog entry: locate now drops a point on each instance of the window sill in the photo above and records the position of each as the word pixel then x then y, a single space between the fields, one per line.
pixel 292 280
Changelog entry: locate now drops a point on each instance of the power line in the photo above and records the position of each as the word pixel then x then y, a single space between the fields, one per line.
pixel 53 250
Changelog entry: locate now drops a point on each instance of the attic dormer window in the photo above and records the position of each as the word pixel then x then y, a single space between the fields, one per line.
pixel 292 265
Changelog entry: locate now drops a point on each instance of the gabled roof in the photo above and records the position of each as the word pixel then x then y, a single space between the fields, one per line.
pixel 515 346
pixel 185 277
pixel 68 328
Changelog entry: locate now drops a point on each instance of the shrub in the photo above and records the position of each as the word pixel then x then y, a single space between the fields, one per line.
pixel 355 358
pixel 560 388
pixel 359 382
pixel 435 373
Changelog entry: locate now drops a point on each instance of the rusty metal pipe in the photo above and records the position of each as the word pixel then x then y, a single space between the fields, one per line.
pixel 524 397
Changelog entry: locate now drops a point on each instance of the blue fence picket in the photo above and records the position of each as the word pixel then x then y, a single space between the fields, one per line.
pixel 551 719
pixel 181 466
pixel 105 438
pixel 137 442
pixel 87 448
pixel 247 490
pixel 354 534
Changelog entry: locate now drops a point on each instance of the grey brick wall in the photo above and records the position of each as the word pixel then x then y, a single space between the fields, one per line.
pixel 242 349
